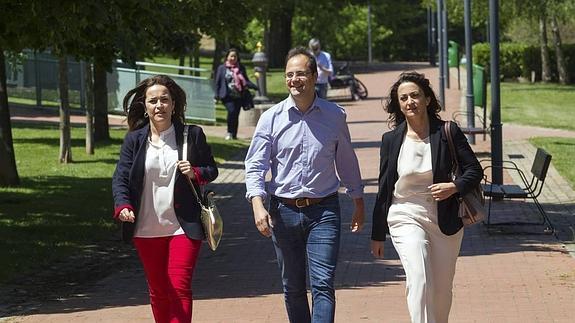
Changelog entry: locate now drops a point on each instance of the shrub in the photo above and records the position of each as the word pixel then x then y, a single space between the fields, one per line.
pixel 517 60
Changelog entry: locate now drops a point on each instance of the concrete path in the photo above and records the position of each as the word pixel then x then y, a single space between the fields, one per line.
pixel 500 277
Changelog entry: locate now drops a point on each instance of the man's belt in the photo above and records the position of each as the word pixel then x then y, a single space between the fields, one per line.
pixel 304 201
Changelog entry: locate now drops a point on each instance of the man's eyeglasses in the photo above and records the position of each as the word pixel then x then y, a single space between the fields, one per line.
pixel 297 75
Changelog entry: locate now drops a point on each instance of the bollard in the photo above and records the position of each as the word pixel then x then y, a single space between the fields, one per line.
pixel 260 66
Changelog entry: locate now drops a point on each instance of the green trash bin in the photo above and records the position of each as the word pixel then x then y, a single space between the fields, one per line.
pixel 479 86
pixel 453 54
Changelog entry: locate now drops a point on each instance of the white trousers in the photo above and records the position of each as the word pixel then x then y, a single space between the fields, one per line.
pixel 428 257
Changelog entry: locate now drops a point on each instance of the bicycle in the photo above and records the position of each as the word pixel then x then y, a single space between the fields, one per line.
pixel 344 78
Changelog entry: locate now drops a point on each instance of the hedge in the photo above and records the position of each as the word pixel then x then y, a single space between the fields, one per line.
pixel 518 60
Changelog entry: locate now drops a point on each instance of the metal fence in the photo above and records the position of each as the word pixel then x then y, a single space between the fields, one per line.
pixel 33 78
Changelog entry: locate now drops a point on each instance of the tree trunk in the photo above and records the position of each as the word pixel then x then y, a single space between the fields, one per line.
pixel 65 135
pixel 101 126
pixel 561 66
pixel 217 58
pixel 195 58
pixel 545 66
pixel 280 34
pixel 89 109
pixel 182 63
pixel 8 170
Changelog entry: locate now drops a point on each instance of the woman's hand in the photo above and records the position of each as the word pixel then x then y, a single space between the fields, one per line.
pixel 377 249
pixel 441 191
pixel 126 215
pixel 186 168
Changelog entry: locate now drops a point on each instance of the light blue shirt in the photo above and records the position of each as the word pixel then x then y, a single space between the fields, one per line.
pixel 303 152
pixel 323 59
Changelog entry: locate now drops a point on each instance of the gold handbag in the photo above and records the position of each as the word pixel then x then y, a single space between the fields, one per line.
pixel 210 216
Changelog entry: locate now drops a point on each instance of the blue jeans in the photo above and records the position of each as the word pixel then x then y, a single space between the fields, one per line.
pixel 309 237
pixel 321 90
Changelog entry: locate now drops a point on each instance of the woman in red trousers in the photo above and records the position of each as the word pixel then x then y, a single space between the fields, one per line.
pixel 152 197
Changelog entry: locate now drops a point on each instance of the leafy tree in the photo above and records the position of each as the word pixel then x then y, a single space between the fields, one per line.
pixel 225 21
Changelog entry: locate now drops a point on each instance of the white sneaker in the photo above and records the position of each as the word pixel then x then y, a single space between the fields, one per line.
pixel 228 136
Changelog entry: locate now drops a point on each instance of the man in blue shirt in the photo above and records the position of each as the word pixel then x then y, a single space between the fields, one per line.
pixel 324 67
pixel 304 140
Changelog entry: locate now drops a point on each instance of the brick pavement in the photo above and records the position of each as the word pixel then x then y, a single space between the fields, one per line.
pixel 513 278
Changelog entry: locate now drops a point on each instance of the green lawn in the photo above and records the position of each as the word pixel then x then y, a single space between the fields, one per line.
pixel 547 106
pixel 563 152
pixel 540 105
pixel 61 210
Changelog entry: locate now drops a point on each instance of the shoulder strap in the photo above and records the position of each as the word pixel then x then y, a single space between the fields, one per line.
pixel 185 143
pixel 447 128
pixel 185 157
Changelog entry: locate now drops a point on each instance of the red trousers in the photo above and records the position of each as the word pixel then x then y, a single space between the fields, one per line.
pixel 169 263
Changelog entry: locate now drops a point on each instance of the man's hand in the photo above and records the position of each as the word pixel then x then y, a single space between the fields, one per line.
pixel 358 215
pixel 262 217
pixel 377 249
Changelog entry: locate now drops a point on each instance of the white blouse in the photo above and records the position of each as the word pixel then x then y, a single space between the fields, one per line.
pixel 156 217
pixel 412 195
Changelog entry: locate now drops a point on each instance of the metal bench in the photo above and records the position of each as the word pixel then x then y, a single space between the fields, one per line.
pixel 528 189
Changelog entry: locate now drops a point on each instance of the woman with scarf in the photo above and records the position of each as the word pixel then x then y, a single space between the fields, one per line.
pixel 232 85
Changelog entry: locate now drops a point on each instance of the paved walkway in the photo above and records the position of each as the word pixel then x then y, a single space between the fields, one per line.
pixel 500 278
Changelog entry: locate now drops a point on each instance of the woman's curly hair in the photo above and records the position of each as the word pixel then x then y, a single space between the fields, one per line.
pixel 392 105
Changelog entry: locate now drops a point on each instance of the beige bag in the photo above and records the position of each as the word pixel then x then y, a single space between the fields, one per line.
pixel 472 204
pixel 211 220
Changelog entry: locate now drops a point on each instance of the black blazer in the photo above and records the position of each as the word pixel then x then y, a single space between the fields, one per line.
pixel 447 210
pixel 221 88
pixel 128 179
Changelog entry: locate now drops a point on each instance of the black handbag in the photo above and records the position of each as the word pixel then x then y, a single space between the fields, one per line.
pixel 471 205
pixel 247 100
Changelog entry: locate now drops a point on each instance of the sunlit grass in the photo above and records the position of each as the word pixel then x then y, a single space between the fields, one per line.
pixel 563 152
pixel 541 105
pixel 60 208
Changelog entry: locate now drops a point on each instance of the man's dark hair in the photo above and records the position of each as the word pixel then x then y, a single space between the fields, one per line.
pixel 311 63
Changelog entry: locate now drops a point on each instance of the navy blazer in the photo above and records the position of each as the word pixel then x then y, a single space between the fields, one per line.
pixel 447 210
pixel 128 179
pixel 221 88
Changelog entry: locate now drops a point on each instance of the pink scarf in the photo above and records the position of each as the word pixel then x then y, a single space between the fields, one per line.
pixel 239 80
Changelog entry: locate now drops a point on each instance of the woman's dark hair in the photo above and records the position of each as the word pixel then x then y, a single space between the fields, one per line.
pixel 392 105
pixel 136 107
pixel 311 63
pixel 228 54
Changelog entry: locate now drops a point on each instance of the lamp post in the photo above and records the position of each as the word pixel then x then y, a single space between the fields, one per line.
pixel 496 134
pixel 469 68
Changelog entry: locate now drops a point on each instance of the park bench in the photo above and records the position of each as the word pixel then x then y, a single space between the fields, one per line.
pixel 527 189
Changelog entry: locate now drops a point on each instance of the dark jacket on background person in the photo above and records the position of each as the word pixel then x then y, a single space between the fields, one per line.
pixel 128 179
pixel 222 90
pixel 447 210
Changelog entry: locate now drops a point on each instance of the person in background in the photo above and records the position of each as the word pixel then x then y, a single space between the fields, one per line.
pixel 305 142
pixel 324 67
pixel 153 199
pixel 418 201
pixel 231 87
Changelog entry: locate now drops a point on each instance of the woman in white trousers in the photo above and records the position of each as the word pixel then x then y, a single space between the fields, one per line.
pixel 417 202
